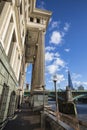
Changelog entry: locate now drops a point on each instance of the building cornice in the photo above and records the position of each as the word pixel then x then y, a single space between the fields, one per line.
pixel 44 13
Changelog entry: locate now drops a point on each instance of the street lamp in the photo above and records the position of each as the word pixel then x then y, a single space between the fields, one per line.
pixel 57 109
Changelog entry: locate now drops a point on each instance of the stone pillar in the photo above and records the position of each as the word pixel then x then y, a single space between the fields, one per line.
pixel 68 95
pixel 19 65
pixel 39 94
pixel 38 66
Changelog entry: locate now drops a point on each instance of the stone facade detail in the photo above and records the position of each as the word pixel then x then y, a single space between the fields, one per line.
pixel 22 28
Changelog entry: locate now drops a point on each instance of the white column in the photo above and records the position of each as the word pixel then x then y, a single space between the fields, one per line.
pixel 8 37
pixel 13 55
pixel 35 20
pixel 15 61
pixel 19 66
pixel 38 67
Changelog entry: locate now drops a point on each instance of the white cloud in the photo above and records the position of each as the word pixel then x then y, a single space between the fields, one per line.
pixel 52 69
pixel 60 78
pixel 54 24
pixel 53 62
pixel 56 54
pixel 50 20
pixel 56 37
pixel 49 48
pixel 78 83
pixel 49 56
pixel 76 76
pixel 59 62
pixel 85 83
pixel 66 27
pixel 67 49
pixel 55 66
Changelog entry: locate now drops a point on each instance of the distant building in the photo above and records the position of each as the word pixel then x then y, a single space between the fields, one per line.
pixel 27 86
pixel 81 87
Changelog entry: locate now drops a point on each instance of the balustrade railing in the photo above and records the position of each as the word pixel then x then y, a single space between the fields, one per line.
pixel 69 120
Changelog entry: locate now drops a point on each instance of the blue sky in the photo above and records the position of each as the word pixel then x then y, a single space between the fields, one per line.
pixel 65 42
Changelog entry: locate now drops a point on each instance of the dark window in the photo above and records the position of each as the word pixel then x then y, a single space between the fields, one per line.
pixel 38 20
pixel 21 8
pixel 2 3
pixel 31 19
pixel 3 102
pixel 29 1
pixel 11 20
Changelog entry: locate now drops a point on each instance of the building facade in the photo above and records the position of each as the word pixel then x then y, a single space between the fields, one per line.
pixel 22 30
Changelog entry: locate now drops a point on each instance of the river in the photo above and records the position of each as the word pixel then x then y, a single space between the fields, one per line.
pixel 81 110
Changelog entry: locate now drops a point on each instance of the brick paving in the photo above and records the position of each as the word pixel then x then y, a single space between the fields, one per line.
pixel 25 119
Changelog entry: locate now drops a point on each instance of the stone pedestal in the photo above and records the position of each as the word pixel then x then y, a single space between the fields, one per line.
pixel 39 99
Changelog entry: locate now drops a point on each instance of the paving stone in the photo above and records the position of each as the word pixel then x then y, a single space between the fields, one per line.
pixel 25 119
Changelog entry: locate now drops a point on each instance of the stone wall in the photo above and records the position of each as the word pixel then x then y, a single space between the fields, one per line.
pixel 8 86
pixel 68 108
pixel 49 122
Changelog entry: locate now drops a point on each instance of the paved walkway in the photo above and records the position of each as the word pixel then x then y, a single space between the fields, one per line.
pixel 25 119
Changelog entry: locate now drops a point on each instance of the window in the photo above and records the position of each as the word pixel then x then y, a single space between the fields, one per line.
pixel 38 20
pixel 11 20
pixel 23 33
pixel 29 1
pixel 4 98
pixel 21 8
pixel 31 19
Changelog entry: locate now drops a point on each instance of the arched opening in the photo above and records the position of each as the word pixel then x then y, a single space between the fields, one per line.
pixel 11 107
pixel 3 103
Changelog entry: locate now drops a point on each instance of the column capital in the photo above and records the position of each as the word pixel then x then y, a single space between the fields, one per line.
pixel 42 30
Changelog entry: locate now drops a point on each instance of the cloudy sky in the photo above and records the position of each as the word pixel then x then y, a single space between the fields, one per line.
pixel 65 42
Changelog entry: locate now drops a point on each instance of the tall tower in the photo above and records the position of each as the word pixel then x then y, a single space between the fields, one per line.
pixel 69 89
pixel 70 85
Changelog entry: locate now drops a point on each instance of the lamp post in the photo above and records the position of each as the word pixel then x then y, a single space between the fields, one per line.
pixel 57 109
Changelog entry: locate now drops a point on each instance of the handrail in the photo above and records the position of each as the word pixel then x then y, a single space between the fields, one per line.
pixel 71 121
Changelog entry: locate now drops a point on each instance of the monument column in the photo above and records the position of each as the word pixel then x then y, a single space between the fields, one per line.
pixel 39 64
pixel 39 94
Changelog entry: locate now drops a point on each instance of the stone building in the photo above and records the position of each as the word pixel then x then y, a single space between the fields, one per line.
pixel 22 30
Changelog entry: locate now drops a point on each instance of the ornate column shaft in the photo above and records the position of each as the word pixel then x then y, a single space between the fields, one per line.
pixel 38 66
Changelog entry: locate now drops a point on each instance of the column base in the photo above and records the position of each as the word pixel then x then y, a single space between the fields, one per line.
pixel 39 98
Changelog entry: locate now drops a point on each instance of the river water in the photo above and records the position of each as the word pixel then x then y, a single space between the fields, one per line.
pixel 81 110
